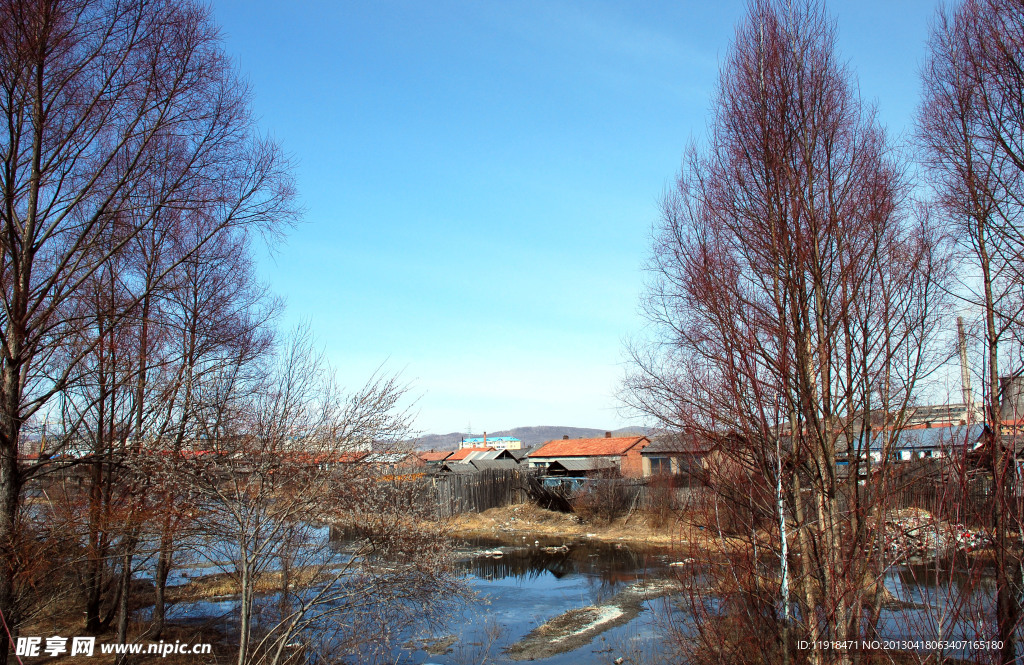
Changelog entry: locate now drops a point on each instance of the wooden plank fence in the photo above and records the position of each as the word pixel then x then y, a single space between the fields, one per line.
pixel 456 493
pixel 453 494
pixel 972 506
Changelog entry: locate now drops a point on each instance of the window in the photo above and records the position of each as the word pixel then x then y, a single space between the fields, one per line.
pixel 660 465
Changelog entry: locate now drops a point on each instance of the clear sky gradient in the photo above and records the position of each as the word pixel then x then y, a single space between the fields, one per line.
pixel 480 179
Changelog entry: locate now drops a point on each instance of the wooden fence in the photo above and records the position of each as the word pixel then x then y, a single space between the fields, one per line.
pixel 453 494
pixel 974 505
pixel 456 493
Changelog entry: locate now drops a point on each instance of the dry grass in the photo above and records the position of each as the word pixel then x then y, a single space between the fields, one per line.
pixel 526 519
pixel 222 584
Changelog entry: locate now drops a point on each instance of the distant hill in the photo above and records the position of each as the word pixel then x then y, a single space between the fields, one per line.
pixel 530 436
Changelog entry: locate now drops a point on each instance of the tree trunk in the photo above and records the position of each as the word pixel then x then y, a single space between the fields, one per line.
pixel 10 485
pixel 163 568
pixel 245 613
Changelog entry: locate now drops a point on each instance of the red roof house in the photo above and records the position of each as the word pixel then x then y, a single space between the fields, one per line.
pixel 463 453
pixel 623 451
pixel 434 456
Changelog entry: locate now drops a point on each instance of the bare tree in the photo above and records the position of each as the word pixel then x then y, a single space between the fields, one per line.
pixel 114 113
pixel 794 293
pixel 216 320
pixel 283 467
pixel 971 129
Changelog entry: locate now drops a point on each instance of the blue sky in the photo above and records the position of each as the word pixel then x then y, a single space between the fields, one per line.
pixel 480 179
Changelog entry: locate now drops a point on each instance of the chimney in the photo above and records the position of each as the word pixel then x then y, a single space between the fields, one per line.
pixel 965 373
pixel 607 435
pixel 565 437
pixel 485 439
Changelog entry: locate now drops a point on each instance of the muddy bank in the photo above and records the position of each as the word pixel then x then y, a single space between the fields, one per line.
pixel 578 627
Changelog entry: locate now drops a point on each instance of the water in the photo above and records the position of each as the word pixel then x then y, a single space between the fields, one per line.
pixel 515 592
pixel 943 601
pixel 532 583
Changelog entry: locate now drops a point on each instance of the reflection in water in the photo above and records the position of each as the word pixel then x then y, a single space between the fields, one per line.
pixel 610 564
pixel 950 599
pixel 526 585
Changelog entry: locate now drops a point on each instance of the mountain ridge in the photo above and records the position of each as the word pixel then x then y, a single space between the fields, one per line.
pixel 531 436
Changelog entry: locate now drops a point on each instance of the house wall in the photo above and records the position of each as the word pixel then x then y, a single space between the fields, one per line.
pixel 905 455
pixel 677 463
pixel 920 453
pixel 631 464
pixel 648 470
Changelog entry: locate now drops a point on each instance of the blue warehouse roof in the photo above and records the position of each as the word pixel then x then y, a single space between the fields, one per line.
pixel 928 438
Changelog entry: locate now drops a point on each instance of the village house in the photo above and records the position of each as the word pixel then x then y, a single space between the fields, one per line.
pixel 930 442
pixel 395 462
pixel 455 467
pixel 911 443
pixel 481 460
pixel 434 457
pixel 518 454
pixel 624 454
pixel 466 455
pixel 678 454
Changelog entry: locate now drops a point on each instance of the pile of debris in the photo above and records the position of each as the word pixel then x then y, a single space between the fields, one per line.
pixel 913 532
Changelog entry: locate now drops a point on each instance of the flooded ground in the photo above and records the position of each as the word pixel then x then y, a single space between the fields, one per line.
pixel 554 602
pixel 547 601
pixel 585 601
pixel 576 600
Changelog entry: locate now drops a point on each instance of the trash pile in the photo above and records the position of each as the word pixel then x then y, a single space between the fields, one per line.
pixel 913 532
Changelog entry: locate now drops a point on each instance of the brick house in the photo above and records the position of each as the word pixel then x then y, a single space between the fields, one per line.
pixel 622 451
